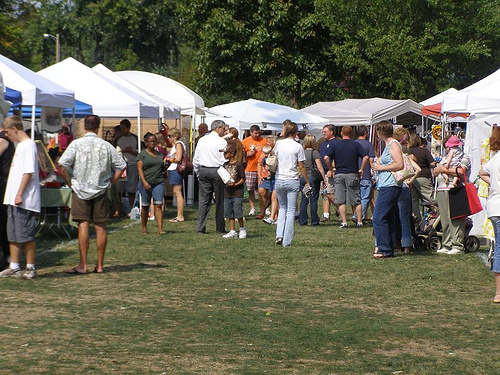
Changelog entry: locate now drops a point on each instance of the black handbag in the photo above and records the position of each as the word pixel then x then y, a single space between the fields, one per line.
pixel 315 173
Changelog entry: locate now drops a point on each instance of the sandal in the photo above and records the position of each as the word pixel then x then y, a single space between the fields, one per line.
pixel 381 255
pixel 74 271
pixel 497 298
pixel 175 220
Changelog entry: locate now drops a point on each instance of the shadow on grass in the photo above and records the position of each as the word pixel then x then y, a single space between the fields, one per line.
pixel 117 268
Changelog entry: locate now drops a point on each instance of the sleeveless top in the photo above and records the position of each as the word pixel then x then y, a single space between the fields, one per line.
pixel 6 157
pixel 385 178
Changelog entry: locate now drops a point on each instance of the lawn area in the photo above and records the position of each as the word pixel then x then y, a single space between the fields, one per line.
pixel 185 303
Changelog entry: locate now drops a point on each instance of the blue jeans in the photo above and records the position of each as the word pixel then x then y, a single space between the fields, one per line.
pixel 404 206
pixel 495 264
pixel 384 219
pixel 304 202
pixel 287 192
pixel 365 189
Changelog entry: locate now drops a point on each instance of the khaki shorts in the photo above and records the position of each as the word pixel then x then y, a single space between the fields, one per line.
pixel 95 209
pixel 330 185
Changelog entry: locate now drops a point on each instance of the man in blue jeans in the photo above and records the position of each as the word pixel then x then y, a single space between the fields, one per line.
pixel 365 184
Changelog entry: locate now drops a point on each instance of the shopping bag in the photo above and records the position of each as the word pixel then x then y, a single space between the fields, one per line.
pixel 472 198
pixel 459 204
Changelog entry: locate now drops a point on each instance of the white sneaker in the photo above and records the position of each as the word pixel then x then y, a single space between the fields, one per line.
pixel 29 274
pixel 243 233
pixel 268 211
pixel 9 272
pixel 443 250
pixel 230 234
pixel 251 212
pixel 454 252
pixel 268 220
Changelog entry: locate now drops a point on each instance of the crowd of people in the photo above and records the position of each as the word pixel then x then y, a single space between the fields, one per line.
pixel 345 171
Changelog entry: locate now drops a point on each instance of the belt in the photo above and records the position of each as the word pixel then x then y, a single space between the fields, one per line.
pixel 209 167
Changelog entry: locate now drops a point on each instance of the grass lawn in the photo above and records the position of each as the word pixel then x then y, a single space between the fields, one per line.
pixel 185 303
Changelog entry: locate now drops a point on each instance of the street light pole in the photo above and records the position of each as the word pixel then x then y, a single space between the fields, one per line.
pixel 58 46
pixel 58 50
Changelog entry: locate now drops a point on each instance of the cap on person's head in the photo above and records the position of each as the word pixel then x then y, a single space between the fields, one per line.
pixel 453 141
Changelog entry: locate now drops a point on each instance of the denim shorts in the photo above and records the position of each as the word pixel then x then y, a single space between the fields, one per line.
pixel 174 178
pixel 156 192
pixel 233 208
pixel 267 184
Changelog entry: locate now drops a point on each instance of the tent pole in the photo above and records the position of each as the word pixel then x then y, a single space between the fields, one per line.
pixel 33 109
pixel 73 123
pixel 138 134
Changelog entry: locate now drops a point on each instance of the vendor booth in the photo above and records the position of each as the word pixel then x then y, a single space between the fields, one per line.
pixel 356 112
pixel 35 89
pixel 245 113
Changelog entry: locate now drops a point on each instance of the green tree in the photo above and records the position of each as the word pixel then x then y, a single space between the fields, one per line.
pixel 275 50
pixel 411 49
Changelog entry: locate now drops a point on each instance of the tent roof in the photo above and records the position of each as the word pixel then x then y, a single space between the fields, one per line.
pixel 439 97
pixel 13 96
pixel 246 113
pixel 167 109
pixel 106 99
pixel 35 89
pixel 482 96
pixel 167 89
pixel 81 110
pixel 356 112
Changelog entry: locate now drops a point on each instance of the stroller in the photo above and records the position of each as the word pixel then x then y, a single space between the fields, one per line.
pixel 430 234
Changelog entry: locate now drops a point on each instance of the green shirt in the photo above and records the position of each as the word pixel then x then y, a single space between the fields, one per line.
pixel 152 167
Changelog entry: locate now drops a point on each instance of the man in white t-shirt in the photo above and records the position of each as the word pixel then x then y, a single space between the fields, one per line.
pixel 22 196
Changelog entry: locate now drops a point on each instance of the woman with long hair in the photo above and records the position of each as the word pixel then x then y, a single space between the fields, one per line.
pixel 174 178
pixel 290 155
pixel 404 201
pixel 490 173
pixel 389 190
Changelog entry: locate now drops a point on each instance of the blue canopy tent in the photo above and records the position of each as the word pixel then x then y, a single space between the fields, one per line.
pixel 81 110
pixel 13 96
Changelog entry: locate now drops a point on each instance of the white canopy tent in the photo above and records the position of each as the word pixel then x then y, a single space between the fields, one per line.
pixel 481 101
pixel 475 93
pixel 36 90
pixel 106 99
pixel 167 89
pixel 439 97
pixel 166 109
pixel 357 112
pixel 246 113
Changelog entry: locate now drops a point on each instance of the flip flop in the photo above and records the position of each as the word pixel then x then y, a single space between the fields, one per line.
pixel 74 271
pixel 380 256
pixel 95 270
pixel 175 220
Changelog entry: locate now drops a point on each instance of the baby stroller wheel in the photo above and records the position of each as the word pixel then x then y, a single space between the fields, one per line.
pixel 435 243
pixel 420 243
pixel 472 244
